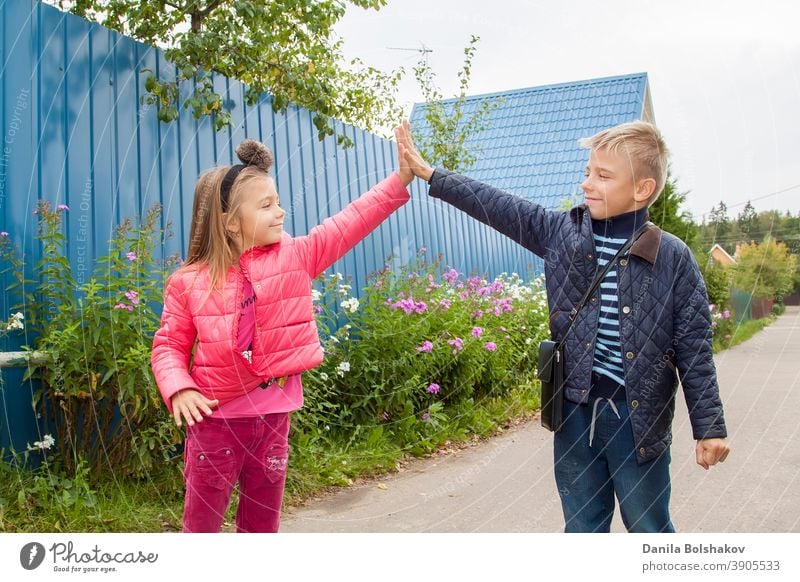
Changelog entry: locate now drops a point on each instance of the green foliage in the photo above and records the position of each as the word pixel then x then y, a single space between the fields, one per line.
pixel 97 387
pixel 666 213
pixel 449 128
pixel 286 48
pixel 765 269
pixel 413 329
pixel 717 278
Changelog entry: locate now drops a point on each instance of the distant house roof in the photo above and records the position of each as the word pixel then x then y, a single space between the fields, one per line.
pixel 721 255
pixel 530 146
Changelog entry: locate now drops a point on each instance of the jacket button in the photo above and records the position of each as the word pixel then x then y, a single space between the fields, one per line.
pixel 634 403
pixel 589 256
pixel 201 457
pixel 588 344
pixel 623 262
pixel 629 355
pixel 642 451
pixel 626 309
pixel 594 299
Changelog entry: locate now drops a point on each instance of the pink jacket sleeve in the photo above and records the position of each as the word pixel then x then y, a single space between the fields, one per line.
pixel 330 241
pixel 172 343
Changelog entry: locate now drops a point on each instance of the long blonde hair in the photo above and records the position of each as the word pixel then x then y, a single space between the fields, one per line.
pixel 211 244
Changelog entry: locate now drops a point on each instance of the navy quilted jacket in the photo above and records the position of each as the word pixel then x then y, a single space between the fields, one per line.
pixel 665 323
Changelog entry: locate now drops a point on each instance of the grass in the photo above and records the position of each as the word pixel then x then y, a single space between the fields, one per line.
pixel 42 502
pixel 743 332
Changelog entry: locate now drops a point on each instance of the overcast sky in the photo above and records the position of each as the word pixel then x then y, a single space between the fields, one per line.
pixel 724 75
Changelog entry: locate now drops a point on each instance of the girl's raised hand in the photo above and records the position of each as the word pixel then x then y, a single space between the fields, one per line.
pixel 405 173
pixel 416 163
pixel 191 405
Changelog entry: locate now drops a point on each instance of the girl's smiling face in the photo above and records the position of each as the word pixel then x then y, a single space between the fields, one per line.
pixel 260 217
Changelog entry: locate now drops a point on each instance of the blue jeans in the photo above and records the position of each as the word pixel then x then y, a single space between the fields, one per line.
pixel 588 477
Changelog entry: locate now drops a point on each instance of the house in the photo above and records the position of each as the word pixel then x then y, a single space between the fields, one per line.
pixel 721 255
pixel 530 146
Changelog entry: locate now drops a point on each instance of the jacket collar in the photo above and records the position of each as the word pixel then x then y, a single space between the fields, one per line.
pixel 646 246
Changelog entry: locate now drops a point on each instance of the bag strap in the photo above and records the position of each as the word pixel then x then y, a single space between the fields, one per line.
pixel 625 248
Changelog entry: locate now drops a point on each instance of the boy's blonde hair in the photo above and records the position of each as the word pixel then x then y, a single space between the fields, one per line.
pixel 644 147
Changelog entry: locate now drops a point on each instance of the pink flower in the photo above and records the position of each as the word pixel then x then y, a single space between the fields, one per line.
pixel 457 343
pixel 427 346
pixel 131 256
pixel 425 416
pixel 120 306
pixel 433 389
pixel 63 207
pixel 451 276
pixel 385 416
pixel 477 315
pixel 445 303
pixel 132 296
pixel 477 331
pixel 318 309
pixel 422 250
pixel 4 233
pixel 726 314
pixel 490 346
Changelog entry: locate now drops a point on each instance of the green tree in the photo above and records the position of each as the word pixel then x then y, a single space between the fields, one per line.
pixel 719 222
pixel 444 141
pixel 284 47
pixel 765 269
pixel 747 221
pixel 666 213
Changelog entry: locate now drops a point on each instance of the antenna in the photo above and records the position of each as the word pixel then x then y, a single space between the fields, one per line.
pixel 423 50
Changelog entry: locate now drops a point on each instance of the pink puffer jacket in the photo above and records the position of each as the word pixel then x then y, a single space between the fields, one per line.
pixel 286 340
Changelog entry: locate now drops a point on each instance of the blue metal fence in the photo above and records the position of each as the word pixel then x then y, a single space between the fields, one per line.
pixel 74 133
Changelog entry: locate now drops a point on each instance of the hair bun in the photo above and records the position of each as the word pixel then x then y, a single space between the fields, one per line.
pixel 255 153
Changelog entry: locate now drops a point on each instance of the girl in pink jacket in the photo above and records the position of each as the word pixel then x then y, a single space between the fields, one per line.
pixel 240 310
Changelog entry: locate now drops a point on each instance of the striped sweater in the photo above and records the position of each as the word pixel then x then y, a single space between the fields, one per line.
pixel 608 377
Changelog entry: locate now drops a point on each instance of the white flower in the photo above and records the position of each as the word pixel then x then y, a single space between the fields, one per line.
pixel 323 376
pixel 342 368
pixel 334 339
pixel 528 341
pixel 343 289
pixel 337 276
pixel 47 442
pixel 15 322
pixel 350 305
pixel 315 295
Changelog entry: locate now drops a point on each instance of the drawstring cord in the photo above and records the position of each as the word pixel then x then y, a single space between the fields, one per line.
pixel 594 416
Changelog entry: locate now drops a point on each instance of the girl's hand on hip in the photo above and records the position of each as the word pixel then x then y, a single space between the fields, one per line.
pixel 191 405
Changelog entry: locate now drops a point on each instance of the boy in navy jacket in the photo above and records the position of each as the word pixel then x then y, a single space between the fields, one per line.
pixel 648 324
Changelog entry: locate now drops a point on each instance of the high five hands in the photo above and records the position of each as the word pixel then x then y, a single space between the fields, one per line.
pixel 411 162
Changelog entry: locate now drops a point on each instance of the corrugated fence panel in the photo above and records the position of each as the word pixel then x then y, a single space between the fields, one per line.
pixel 74 132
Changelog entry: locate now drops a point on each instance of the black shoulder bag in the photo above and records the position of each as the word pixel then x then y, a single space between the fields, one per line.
pixel 551 372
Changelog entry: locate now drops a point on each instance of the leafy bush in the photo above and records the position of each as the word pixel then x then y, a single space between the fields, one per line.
pixel 97 389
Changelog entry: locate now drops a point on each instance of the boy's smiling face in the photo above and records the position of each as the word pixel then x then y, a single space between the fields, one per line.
pixel 260 215
pixel 610 189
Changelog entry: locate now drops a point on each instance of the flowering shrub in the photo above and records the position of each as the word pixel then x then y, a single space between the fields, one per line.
pixel 96 390
pixel 418 344
pixel 722 326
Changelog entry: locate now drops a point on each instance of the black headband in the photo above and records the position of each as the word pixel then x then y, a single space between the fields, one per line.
pixel 227 183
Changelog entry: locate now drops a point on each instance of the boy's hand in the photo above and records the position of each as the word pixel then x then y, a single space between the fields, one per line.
pixel 191 404
pixel 711 451
pixel 405 173
pixel 418 166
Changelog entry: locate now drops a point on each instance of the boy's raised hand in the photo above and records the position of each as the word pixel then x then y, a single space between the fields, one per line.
pixel 711 451
pixel 416 164
pixel 191 405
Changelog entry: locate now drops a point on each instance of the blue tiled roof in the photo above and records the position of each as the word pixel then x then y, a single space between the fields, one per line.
pixel 530 146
